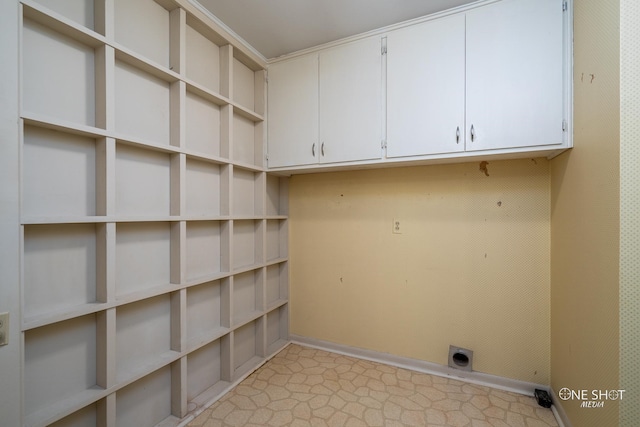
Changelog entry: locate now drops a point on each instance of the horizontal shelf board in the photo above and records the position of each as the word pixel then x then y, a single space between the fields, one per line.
pixel 147 293
pixel 197 155
pixel 136 372
pixel 246 113
pixel 65 314
pixel 29 220
pixel 208 94
pixel 275 305
pixel 276 261
pixel 61 409
pixel 276 217
pixel 246 319
pixel 205 279
pixel 248 166
pixel 247 268
pixel 204 339
pixel 137 142
pixel 210 395
pixel 248 366
pixel 277 346
pixel 144 64
pixel 61 24
pixel 196 218
pixel 246 217
pixel 47 122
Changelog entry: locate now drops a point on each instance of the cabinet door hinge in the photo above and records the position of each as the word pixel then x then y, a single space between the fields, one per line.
pixel 383 144
pixel 565 6
pixel 564 125
pixel 383 48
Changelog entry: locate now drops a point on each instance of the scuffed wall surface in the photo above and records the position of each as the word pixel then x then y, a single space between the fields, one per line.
pixel 470 267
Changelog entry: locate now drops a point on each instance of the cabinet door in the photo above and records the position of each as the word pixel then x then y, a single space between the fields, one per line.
pixel 293 112
pixel 425 88
pixel 351 102
pixel 514 74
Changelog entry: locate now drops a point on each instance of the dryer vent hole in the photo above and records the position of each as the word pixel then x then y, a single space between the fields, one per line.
pixel 460 358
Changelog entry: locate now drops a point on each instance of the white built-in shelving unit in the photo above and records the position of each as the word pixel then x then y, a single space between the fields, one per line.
pixel 154 254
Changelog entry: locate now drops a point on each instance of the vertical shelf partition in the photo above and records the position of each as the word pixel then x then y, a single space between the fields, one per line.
pixel 154 242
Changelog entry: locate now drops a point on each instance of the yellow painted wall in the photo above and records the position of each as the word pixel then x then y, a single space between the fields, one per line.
pixel 471 267
pixel 585 213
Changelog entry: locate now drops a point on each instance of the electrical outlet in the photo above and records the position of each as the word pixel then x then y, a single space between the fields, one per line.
pixel 396 226
pixel 4 328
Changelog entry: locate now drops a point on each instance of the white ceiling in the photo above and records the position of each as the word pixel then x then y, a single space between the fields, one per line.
pixel 278 27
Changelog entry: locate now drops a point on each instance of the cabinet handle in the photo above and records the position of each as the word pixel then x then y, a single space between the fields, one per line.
pixel 322 149
pixel 458 135
pixel 313 149
pixel 473 133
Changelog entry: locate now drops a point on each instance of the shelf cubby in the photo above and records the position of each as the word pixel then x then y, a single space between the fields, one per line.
pixel 205 306
pixel 146 402
pixel 203 125
pixel 204 373
pixel 142 104
pixel 277 328
pixel 49 56
pixel 207 192
pixel 277 284
pixel 204 249
pixel 277 239
pixel 59 267
pixel 60 366
pixel 142 256
pixel 247 296
pixel 277 196
pixel 247 347
pixel 246 244
pixel 248 193
pixel 87 416
pixel 143 26
pixel 58 174
pixel 142 336
pixel 247 137
pixel 81 12
pixel 143 181
pixel 202 55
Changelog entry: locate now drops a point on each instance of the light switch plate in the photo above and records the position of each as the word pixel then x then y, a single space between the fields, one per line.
pixel 4 328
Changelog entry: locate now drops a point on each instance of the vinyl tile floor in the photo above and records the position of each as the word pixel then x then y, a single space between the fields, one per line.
pixel 303 386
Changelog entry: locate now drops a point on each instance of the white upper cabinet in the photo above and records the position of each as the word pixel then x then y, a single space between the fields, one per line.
pixel 351 102
pixel 514 75
pixel 327 107
pixel 425 88
pixel 293 112
pixel 491 79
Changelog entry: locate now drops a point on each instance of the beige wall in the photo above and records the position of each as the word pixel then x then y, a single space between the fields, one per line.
pixel 585 221
pixel 471 267
pixel 629 211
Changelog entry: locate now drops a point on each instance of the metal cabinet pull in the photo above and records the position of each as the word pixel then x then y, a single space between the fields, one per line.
pixel 458 135
pixel 473 133
pixel 313 149
pixel 322 149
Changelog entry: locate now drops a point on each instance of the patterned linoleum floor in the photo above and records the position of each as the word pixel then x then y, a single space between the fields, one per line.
pixel 302 386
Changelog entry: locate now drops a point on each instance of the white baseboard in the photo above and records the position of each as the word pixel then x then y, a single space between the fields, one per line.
pixel 479 378
pixel 558 410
